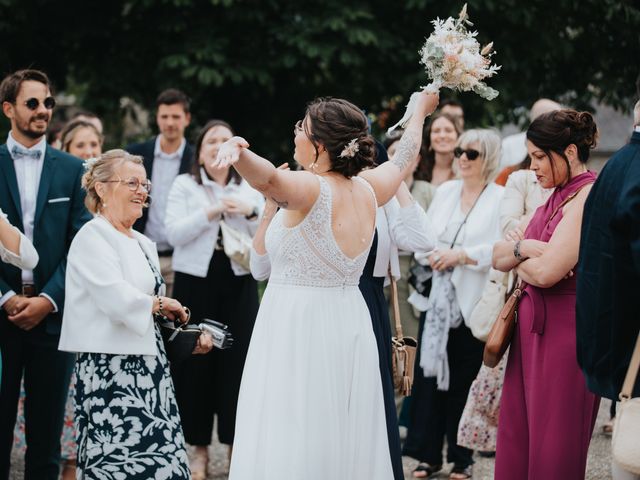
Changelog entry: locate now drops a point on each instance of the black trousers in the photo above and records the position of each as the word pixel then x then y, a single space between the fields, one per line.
pixel 436 414
pixel 47 373
pixel 208 385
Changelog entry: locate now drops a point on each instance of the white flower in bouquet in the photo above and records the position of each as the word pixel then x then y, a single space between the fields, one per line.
pixel 453 59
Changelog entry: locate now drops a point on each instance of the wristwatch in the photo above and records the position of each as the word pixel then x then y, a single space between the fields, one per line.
pixel 516 252
pixel 254 213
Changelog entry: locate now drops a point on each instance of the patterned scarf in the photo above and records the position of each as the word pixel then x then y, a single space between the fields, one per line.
pixel 443 313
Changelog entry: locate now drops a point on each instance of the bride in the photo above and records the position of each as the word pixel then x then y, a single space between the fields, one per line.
pixel 310 403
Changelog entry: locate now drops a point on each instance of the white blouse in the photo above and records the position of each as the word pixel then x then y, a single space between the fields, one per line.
pixel 476 238
pixel 191 233
pixel 26 258
pixel 109 292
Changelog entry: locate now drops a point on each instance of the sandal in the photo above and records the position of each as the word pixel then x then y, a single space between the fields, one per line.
pixel 424 470
pixel 461 473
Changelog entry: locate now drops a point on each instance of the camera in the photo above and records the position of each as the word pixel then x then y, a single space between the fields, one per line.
pixel 222 338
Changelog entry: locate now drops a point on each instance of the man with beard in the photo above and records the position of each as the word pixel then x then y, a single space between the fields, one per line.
pixel 40 193
pixel 165 157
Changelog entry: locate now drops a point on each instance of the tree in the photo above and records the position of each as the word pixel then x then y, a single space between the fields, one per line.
pixel 257 62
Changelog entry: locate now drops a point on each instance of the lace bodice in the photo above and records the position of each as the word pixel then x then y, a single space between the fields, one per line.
pixel 308 254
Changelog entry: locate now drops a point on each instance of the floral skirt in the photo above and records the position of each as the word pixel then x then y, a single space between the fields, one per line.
pixel 127 421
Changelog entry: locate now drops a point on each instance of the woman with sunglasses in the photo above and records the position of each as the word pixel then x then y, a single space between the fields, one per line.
pixel 547 413
pixel 464 214
pixel 126 414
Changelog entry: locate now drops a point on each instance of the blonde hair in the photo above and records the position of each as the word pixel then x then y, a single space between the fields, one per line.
pixel 72 128
pixel 101 169
pixel 490 147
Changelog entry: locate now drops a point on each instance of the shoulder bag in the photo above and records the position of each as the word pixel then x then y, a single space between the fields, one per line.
pixel 501 333
pixel 403 349
pixel 625 446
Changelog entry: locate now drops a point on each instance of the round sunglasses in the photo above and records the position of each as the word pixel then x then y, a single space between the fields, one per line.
pixel 33 103
pixel 469 152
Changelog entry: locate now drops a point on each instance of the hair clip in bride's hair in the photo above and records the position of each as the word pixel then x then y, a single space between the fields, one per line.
pixel 350 150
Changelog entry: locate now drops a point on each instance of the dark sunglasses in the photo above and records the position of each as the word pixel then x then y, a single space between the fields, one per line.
pixel 34 103
pixel 470 152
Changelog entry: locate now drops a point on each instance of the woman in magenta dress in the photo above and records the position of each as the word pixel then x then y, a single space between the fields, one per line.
pixel 547 414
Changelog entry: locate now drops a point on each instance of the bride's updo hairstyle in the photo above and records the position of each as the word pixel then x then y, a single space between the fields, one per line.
pixel 102 169
pixel 342 129
pixel 555 131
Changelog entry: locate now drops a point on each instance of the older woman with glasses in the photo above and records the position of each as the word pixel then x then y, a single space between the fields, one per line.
pixel 126 414
pixel 464 214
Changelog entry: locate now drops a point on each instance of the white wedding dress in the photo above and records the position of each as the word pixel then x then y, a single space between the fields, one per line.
pixel 310 404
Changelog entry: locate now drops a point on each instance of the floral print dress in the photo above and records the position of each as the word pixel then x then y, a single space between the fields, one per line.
pixel 127 421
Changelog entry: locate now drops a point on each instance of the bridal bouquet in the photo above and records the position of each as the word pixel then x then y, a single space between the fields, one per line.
pixel 453 58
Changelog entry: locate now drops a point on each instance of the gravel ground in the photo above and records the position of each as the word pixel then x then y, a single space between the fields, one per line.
pixel 598 467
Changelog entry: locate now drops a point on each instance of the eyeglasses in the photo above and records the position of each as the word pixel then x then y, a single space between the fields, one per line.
pixel 133 184
pixel 33 103
pixel 469 152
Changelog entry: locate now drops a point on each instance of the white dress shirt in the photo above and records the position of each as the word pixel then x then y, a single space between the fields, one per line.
pixel 28 172
pixel 166 167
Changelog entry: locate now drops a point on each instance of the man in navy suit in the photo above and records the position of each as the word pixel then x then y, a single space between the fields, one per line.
pixel 41 194
pixel 607 314
pixel 165 157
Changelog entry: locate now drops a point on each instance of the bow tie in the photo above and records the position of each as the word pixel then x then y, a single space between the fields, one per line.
pixel 17 152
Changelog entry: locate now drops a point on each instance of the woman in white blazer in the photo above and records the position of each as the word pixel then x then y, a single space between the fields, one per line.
pixel 15 249
pixel 126 415
pixel 465 215
pixel 213 285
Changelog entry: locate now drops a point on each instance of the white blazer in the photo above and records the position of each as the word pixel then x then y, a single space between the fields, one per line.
pixel 189 230
pixel 27 257
pixel 481 231
pixel 109 292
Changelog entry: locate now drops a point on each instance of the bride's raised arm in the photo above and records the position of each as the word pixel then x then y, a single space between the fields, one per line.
pixel 289 190
pixel 386 178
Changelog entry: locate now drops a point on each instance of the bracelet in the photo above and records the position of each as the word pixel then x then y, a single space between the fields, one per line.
pixel 516 252
pixel 160 306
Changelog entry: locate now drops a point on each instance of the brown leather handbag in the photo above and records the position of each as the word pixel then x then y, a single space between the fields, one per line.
pixel 502 331
pixel 403 349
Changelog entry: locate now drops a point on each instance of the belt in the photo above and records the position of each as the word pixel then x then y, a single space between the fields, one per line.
pixel 537 296
pixel 165 253
pixel 28 290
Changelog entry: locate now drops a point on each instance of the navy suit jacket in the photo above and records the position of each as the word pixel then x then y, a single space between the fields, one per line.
pixel 147 151
pixel 608 288
pixel 55 224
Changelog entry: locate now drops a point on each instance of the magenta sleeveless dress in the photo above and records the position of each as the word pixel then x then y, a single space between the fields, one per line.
pixel 547 414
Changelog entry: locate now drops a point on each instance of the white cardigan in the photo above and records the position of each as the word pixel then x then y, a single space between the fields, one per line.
pixel 406 228
pixel 481 231
pixel 522 196
pixel 189 230
pixel 109 292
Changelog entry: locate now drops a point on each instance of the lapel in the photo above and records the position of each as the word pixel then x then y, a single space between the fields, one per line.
pixel 9 171
pixel 48 169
